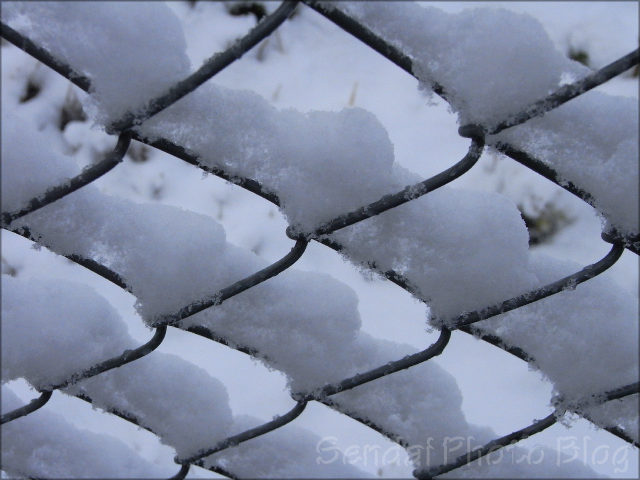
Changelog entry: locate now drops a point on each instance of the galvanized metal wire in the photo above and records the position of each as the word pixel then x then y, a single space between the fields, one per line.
pixel 323 394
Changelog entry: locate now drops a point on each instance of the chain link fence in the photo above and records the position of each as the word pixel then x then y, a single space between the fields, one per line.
pixel 467 322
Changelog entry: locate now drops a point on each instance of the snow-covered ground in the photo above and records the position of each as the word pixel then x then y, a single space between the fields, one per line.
pixel 310 64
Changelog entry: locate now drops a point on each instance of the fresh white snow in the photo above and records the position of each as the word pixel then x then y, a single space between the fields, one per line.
pixel 328 127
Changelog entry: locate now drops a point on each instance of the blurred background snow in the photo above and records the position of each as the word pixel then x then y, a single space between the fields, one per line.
pixel 310 64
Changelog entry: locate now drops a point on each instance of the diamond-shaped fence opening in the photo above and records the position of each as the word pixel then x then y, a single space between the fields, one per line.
pixel 465 255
